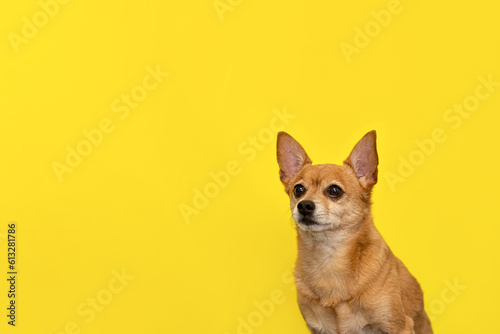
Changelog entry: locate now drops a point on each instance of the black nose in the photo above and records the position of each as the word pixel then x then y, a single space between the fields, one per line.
pixel 306 207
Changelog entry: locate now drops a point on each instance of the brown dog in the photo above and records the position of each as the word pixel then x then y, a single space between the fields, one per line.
pixel 348 280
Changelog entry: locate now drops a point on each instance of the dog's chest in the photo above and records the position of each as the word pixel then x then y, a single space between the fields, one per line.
pixel 324 279
pixel 324 276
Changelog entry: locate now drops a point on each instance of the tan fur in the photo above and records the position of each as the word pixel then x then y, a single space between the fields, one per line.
pixel 348 280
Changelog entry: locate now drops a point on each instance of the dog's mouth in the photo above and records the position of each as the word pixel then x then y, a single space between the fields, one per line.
pixel 308 221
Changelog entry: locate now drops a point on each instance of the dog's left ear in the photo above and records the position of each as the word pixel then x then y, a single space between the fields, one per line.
pixel 364 160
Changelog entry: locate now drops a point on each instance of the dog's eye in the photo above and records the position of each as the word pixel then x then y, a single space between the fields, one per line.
pixel 299 190
pixel 334 191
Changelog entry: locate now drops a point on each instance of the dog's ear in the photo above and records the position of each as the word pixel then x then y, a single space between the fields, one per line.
pixel 291 157
pixel 364 160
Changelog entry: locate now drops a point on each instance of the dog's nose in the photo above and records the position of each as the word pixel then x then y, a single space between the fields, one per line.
pixel 306 207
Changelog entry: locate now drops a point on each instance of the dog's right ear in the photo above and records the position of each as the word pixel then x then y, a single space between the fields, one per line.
pixel 291 157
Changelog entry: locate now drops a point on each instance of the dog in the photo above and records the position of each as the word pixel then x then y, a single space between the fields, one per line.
pixel 348 280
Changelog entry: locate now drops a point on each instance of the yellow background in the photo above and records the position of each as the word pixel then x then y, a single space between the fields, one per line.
pixel 120 208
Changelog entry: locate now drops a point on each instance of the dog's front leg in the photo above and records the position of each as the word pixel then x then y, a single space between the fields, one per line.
pixel 408 327
pixel 399 329
pixel 319 319
pixel 312 330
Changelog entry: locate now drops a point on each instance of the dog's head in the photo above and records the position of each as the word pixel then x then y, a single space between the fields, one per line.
pixel 327 197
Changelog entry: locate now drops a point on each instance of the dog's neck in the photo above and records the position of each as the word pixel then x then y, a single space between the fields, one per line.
pixel 336 255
